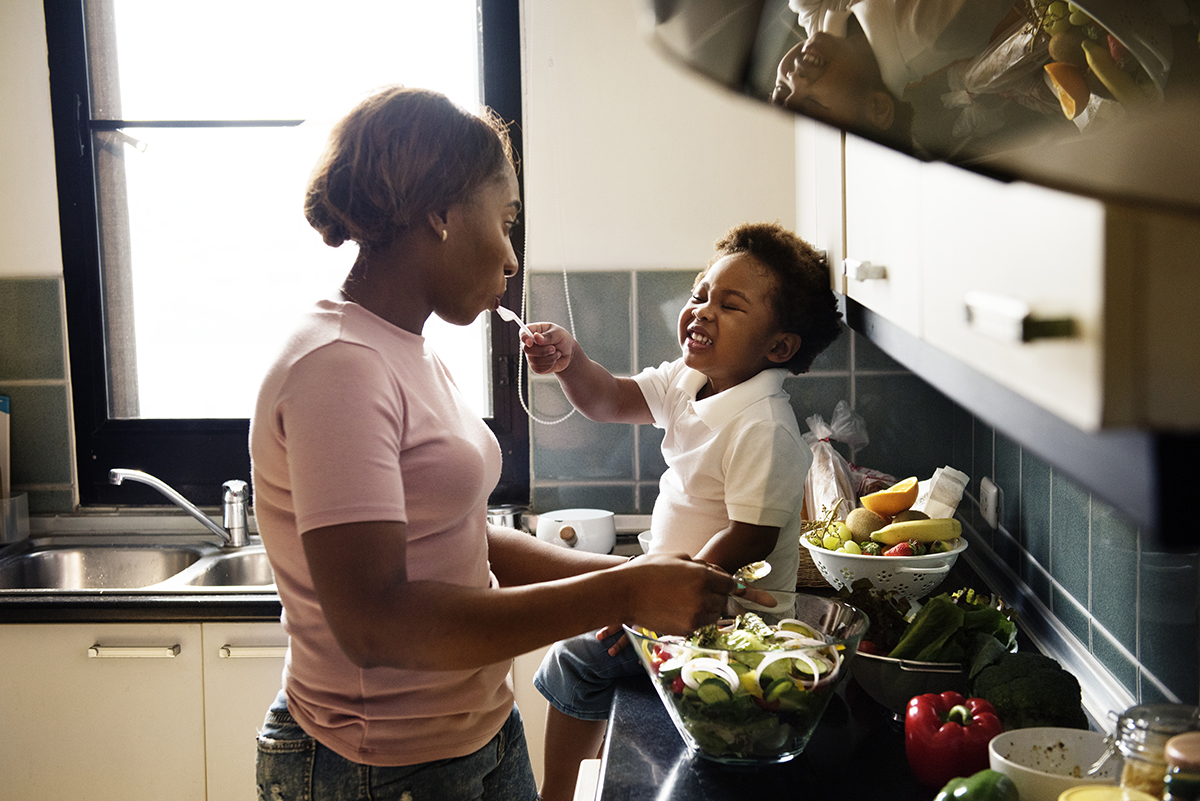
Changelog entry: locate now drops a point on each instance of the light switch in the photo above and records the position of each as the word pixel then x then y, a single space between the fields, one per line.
pixel 989 501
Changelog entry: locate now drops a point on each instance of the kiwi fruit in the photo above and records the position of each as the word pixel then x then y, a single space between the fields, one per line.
pixel 910 514
pixel 863 523
pixel 1068 46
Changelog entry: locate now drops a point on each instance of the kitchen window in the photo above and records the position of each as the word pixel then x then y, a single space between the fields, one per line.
pixel 183 139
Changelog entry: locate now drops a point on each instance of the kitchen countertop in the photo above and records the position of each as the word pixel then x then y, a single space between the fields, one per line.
pixel 856 752
pixel 117 607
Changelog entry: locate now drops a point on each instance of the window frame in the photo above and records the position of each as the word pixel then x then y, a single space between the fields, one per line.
pixel 195 456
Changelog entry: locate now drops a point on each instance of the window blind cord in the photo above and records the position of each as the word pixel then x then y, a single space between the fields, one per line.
pixel 524 313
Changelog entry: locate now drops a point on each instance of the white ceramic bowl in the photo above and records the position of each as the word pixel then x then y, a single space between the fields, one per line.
pixel 907 576
pixel 1044 761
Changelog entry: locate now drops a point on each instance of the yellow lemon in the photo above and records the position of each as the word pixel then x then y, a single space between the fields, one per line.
pixel 893 500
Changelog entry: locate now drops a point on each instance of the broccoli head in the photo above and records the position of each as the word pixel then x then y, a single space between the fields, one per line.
pixel 1031 689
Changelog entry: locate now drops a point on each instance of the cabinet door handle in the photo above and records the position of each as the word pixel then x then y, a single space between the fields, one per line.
pixel 252 651
pixel 864 270
pixel 133 651
pixel 1011 320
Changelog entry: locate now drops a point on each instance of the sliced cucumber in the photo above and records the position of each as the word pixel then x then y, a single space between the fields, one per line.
pixel 713 691
pixel 777 688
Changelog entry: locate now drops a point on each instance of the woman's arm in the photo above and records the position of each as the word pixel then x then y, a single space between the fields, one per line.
pixel 380 618
pixel 518 558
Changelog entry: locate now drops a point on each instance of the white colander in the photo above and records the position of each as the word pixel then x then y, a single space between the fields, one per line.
pixel 907 576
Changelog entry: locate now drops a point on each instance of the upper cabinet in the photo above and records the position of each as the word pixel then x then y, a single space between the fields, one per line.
pixel 1077 305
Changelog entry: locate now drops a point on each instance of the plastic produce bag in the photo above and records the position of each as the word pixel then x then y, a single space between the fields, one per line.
pixel 830 481
pixel 938 496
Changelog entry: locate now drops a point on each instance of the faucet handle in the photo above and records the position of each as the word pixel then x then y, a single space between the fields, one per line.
pixel 236 499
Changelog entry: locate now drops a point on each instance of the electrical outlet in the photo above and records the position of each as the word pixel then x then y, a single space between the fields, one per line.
pixel 989 501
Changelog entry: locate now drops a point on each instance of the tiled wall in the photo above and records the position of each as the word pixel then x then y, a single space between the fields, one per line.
pixel 1132 607
pixel 33 373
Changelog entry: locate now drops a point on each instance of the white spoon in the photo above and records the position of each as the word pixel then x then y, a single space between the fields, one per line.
pixel 511 316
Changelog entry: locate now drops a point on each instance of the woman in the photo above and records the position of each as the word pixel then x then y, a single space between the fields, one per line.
pixel 403 607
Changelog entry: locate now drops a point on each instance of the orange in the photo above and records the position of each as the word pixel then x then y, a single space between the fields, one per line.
pixel 893 500
pixel 1070 87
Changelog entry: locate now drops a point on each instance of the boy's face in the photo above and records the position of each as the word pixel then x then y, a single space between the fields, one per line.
pixel 728 328
pixel 826 77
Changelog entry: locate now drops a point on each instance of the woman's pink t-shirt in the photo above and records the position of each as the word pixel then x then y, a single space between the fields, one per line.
pixel 357 421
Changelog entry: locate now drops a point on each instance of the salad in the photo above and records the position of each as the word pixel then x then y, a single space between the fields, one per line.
pixel 745 690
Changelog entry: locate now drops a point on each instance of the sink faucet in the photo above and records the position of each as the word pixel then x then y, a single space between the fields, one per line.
pixel 235 501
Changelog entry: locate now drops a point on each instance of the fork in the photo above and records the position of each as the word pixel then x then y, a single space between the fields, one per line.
pixel 511 316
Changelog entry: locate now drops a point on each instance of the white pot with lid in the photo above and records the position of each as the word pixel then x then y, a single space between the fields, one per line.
pixel 591 530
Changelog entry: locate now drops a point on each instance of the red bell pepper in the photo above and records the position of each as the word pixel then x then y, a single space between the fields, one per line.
pixel 946 735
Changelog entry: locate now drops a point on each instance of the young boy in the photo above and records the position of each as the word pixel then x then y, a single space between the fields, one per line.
pixel 736 462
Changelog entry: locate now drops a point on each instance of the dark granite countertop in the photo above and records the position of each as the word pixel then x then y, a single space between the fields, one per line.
pixel 116 607
pixel 857 752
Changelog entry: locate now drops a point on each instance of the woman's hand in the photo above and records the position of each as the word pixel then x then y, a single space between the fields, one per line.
pixel 550 350
pixel 673 594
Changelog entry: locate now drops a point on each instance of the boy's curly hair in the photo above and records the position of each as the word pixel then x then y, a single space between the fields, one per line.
pixel 804 303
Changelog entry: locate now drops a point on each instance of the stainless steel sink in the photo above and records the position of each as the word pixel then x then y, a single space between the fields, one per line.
pixel 248 568
pixel 135 564
pixel 99 567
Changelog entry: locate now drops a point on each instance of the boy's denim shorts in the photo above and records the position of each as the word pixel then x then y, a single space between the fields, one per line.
pixel 294 767
pixel 577 675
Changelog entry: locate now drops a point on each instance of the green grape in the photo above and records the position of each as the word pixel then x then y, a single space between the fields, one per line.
pixel 851 547
pixel 1079 19
pixel 832 542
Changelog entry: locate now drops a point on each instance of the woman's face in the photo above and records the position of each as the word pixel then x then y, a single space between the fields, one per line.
pixel 824 77
pixel 479 255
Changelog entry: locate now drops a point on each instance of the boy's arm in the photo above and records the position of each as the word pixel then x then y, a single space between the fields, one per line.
pixel 739 544
pixel 595 392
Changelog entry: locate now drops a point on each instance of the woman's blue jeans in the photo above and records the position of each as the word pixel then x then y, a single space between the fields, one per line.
pixel 294 767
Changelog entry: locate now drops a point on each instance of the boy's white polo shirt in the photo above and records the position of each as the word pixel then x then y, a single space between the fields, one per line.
pixel 737 455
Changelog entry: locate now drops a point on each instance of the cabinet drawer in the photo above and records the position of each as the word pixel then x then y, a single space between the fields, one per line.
pixel 1014 287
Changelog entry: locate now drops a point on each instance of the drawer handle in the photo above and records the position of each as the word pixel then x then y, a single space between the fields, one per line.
pixel 133 651
pixel 1011 320
pixel 252 651
pixel 864 270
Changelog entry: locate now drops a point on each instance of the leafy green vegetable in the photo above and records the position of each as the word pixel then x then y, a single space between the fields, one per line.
pixel 886 611
pixel 1031 689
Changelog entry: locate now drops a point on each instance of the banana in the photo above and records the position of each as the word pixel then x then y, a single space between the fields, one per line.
pixel 1115 79
pixel 946 528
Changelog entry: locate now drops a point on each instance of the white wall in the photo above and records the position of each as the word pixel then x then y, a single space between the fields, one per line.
pixel 29 238
pixel 630 160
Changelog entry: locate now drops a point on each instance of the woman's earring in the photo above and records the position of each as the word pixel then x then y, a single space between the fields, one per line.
pixel 444 234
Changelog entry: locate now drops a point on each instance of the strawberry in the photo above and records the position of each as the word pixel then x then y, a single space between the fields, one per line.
pixel 900 549
pixel 1118 50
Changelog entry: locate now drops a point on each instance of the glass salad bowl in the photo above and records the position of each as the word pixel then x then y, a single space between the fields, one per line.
pixel 751 690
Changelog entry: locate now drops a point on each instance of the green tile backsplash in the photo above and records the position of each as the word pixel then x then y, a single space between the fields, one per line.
pixel 33 375
pixel 1132 607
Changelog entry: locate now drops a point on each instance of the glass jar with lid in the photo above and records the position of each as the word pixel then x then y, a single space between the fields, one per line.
pixel 1141 737
pixel 1182 753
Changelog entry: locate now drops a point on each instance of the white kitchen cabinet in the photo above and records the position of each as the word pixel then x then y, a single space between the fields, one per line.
pixel 994 254
pixel 1123 276
pixel 819 191
pixel 883 232
pixel 131 711
pixel 124 724
pixel 243 672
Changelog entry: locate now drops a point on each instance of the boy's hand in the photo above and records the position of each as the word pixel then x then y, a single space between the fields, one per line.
pixel 550 350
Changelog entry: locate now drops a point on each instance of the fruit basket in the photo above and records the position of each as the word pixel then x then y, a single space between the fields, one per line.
pixel 908 576
pixel 749 697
